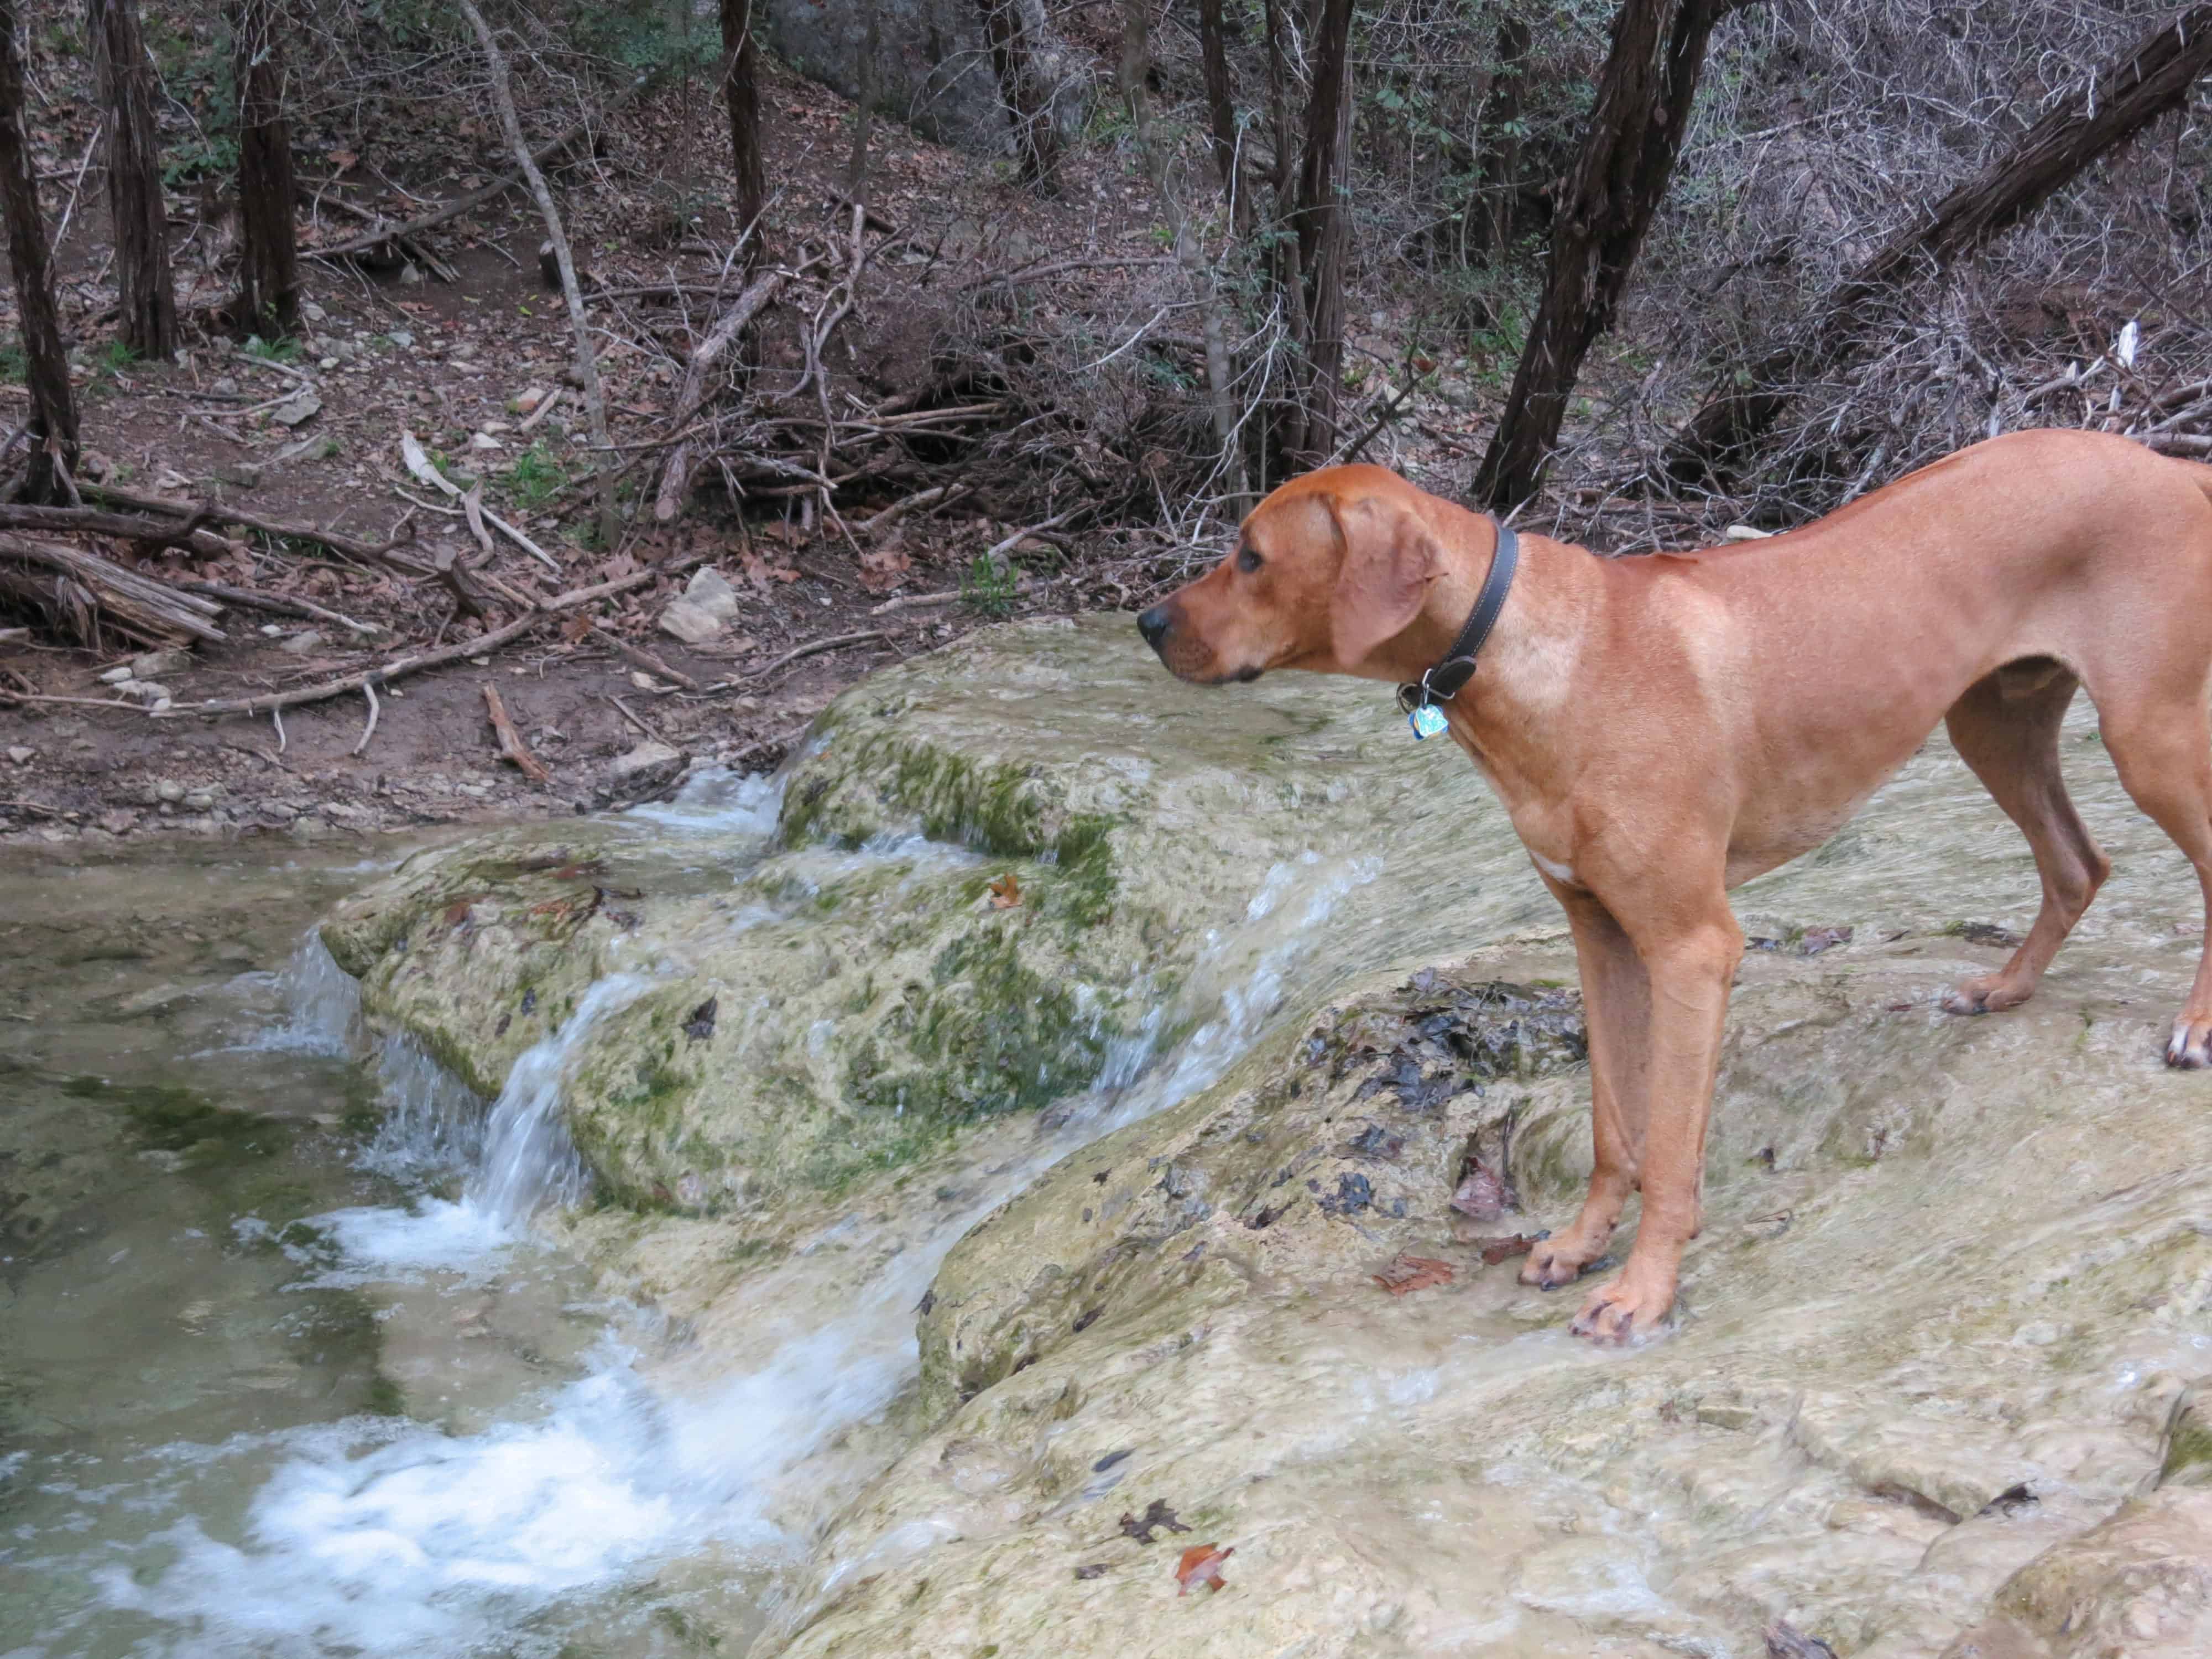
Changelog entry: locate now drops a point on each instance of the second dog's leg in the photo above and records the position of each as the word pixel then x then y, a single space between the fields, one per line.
pixel 1690 948
pixel 1616 1013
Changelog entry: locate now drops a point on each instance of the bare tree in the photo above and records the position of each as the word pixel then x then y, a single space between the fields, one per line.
pixel 2117 101
pixel 146 304
pixel 1221 111
pixel 1644 95
pixel 741 94
pixel 52 423
pixel 268 268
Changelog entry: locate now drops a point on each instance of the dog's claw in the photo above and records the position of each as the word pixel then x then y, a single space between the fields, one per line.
pixel 1625 1310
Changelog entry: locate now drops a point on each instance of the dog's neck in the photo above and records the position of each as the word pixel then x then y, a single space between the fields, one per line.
pixel 1524 672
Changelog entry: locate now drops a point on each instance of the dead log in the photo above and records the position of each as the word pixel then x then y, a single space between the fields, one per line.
pixel 676 476
pixel 1645 96
pixel 385 553
pixel 2118 101
pixel 83 593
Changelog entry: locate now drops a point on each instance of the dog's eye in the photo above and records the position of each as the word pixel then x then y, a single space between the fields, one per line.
pixel 1247 560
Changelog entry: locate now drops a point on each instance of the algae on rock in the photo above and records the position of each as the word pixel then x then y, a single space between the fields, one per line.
pixel 872 992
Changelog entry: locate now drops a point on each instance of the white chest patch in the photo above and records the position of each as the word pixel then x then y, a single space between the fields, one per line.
pixel 1562 873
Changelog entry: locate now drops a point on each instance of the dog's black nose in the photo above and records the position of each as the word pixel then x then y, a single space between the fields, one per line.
pixel 1153 625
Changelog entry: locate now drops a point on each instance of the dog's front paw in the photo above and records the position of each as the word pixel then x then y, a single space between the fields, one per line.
pixel 1629 1309
pixel 1561 1261
pixel 2190 1048
pixel 1989 994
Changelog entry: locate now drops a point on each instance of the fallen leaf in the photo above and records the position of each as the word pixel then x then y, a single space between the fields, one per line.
pixel 578 627
pixel 1823 938
pixel 1094 1569
pixel 701 1025
pixel 1201 1564
pixel 1158 1517
pixel 1785 1640
pixel 1407 1273
pixel 1006 892
pixel 759 572
pixel 342 159
pixel 1495 1251
pixel 885 568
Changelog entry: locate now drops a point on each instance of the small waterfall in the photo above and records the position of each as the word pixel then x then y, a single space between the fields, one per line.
pixel 322 1002
pixel 434 1123
pixel 528 1160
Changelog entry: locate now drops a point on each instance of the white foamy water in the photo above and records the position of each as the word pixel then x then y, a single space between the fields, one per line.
pixel 380 1536
pixel 715 801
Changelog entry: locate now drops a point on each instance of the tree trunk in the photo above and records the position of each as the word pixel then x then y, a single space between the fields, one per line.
pixel 268 268
pixel 52 423
pixel 1501 148
pixel 1221 112
pixel 1321 232
pixel 146 308
pixel 741 94
pixel 1006 25
pixel 863 105
pixel 2120 99
pixel 1644 95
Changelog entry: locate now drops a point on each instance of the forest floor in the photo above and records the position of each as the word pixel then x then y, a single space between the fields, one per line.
pixel 456 363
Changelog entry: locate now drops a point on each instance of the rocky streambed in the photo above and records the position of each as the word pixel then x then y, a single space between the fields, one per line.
pixel 1028 1125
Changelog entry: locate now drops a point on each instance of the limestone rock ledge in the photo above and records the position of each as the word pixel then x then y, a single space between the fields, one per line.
pixel 1950 1291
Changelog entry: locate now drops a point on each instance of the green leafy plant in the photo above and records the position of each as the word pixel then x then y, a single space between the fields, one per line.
pixel 536 478
pixel 272 351
pixel 988 586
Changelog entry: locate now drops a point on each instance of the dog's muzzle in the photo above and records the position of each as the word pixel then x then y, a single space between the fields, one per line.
pixel 1154 623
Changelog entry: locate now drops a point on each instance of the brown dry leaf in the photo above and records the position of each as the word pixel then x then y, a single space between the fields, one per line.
pixel 781 530
pixel 1158 1517
pixel 1495 1251
pixel 1201 1564
pixel 1006 892
pixel 618 567
pixel 759 572
pixel 577 629
pixel 1407 1273
pixel 885 568
pixel 342 159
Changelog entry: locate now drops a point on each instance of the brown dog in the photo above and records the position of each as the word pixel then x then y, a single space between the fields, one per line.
pixel 1662 728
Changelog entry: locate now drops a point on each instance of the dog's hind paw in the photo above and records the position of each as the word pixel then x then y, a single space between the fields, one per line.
pixel 2190 1048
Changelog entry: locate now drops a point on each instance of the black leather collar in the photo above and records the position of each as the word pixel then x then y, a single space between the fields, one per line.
pixel 1442 682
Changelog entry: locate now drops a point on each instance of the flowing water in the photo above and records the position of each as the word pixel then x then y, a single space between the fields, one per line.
pixel 285 1368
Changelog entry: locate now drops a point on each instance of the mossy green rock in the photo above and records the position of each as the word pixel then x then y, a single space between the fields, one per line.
pixel 997 868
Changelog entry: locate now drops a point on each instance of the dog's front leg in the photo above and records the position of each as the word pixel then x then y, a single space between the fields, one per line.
pixel 1617 1015
pixel 1691 961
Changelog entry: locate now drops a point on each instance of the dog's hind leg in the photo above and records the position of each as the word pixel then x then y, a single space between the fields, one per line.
pixel 2163 750
pixel 2005 728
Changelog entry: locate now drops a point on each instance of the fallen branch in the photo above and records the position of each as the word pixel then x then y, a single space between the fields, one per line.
pixel 276 605
pixel 834 642
pixel 1023 589
pixel 352 547
pixel 369 241
pixel 368 691
pixel 511 745
pixel 587 362
pixel 91 521
pixel 399 667
pixel 936 495
pixel 676 476
pixel 418 462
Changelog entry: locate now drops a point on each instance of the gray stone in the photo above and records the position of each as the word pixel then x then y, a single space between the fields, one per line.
pixel 688 624
pixel 300 409
pixel 711 591
pixel 302 643
pixel 20 755
pixel 644 767
pixel 314 312
pixel 116 676
pixel 155 663
pixel 168 789
pixel 246 475
pixel 198 801
pixel 277 811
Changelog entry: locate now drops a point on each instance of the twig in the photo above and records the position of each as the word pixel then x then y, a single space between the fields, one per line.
pixel 510 744
pixel 638 657
pixel 8 696
pixel 676 478
pixel 90 144
pixel 637 720
pixel 282 742
pixel 1006 544
pixel 262 755
pixel 544 409
pixel 385 553
pixel 937 495
pixel 368 691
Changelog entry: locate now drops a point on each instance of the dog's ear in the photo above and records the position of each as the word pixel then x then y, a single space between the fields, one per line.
pixel 1389 559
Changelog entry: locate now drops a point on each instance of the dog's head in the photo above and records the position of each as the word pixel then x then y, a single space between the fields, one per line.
pixel 1325 572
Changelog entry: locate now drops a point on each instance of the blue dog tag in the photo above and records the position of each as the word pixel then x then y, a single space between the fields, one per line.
pixel 1427 721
